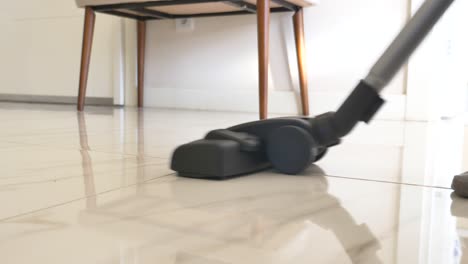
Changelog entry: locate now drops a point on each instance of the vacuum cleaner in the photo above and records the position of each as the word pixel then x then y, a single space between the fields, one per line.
pixel 291 144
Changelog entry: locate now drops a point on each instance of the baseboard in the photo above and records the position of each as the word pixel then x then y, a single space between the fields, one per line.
pixel 20 98
pixel 280 102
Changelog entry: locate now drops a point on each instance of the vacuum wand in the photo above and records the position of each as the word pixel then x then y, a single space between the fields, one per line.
pixel 364 101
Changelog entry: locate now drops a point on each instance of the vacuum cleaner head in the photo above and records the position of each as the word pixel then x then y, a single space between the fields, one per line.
pixel 288 144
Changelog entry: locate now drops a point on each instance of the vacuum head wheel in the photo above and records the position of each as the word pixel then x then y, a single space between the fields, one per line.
pixel 291 149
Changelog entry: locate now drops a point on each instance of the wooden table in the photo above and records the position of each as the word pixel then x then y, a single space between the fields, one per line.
pixel 144 10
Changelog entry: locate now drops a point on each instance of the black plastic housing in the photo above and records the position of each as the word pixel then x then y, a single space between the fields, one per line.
pixel 218 158
pixel 361 105
pixel 288 144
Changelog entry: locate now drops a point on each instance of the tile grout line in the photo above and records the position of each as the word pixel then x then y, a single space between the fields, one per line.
pixel 389 182
pixel 96 151
pixel 3 220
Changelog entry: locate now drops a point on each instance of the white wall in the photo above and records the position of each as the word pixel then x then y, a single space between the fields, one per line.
pixel 438 71
pixel 40 46
pixel 215 66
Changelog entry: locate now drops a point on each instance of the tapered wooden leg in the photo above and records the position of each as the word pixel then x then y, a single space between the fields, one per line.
pixel 88 33
pixel 298 20
pixel 263 24
pixel 141 60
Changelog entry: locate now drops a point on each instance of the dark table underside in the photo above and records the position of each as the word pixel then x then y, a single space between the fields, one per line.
pixel 148 10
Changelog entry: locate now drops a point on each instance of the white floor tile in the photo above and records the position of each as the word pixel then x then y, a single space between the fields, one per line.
pixel 97 188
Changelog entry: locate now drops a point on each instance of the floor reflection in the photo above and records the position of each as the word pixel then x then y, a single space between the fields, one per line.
pixel 86 163
pixel 140 148
pixel 357 240
pixel 280 211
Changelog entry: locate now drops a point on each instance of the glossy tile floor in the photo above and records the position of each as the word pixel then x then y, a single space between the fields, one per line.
pixel 96 188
